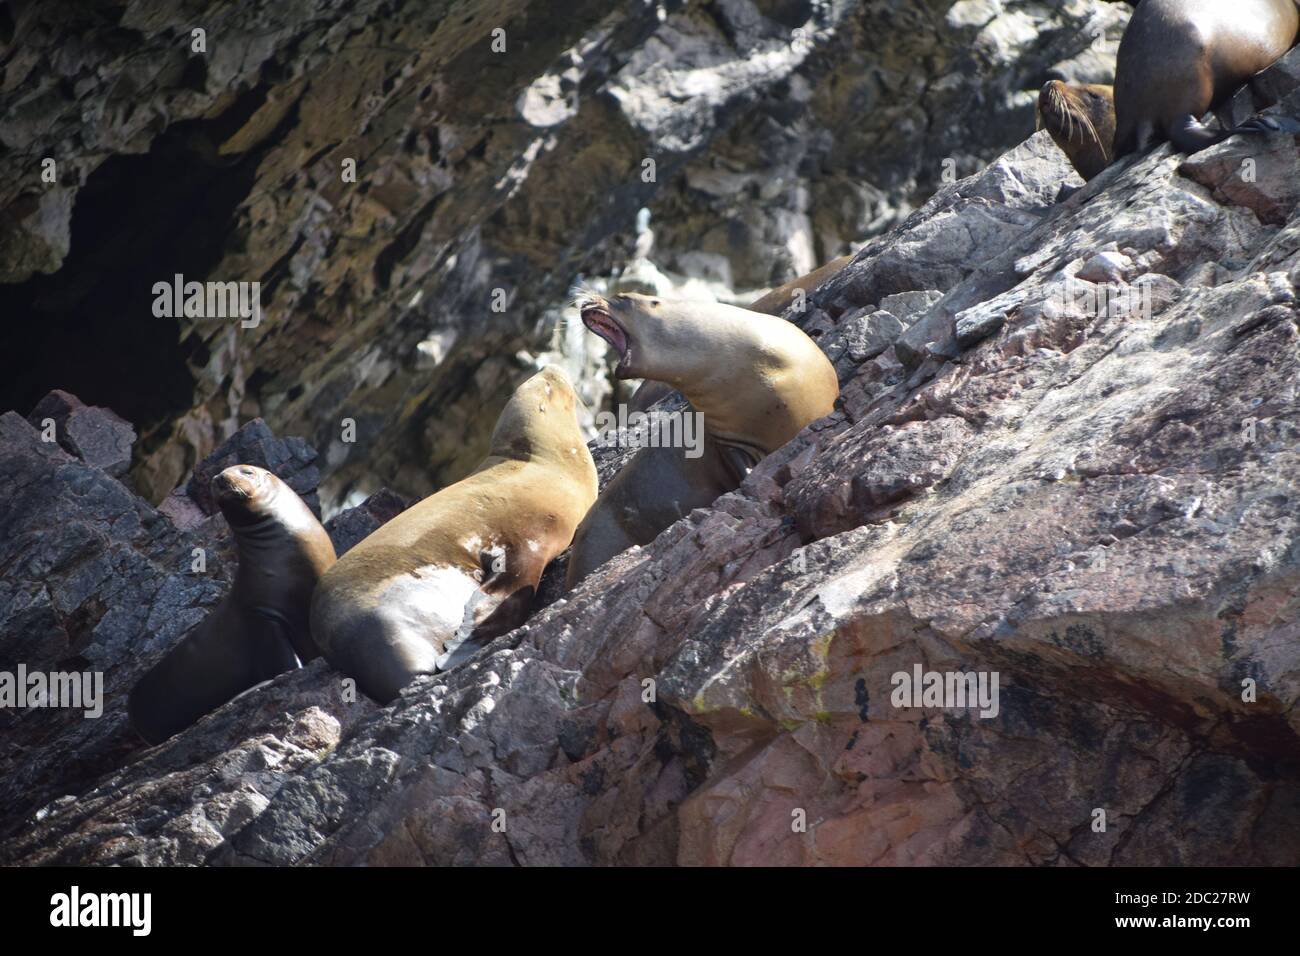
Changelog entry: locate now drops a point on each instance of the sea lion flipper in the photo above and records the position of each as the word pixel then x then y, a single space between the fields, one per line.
pixel 268 648
pixel 1066 191
pixel 739 461
pixel 1269 124
pixel 503 619
pixel 1189 135
pixel 229 652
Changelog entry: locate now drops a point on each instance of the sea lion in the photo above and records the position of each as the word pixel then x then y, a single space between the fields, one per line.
pixel 1180 59
pixel 781 298
pixel 774 302
pixel 260 626
pixel 1081 120
pixel 430 587
pixel 756 379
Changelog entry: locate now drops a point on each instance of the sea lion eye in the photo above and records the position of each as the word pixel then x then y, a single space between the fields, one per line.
pixel 654 303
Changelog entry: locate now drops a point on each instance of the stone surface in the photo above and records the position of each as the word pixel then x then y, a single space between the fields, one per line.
pixel 348 527
pixel 1095 504
pixel 97 436
pixel 291 459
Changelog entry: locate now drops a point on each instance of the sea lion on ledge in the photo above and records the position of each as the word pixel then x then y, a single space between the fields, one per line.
pixel 756 379
pixel 1081 121
pixel 430 587
pixel 1180 59
pixel 782 297
pixel 774 302
pixel 256 630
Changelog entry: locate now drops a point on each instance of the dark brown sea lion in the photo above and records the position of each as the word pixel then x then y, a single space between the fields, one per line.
pixel 259 627
pixel 430 587
pixel 756 379
pixel 1180 59
pixel 1081 120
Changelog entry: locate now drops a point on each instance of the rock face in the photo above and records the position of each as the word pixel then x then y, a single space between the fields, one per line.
pixel 1086 492
pixel 413 203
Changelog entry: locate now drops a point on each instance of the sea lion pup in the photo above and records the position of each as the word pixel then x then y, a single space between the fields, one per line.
pixel 256 630
pixel 756 379
pixel 1081 120
pixel 1180 59
pixel 444 577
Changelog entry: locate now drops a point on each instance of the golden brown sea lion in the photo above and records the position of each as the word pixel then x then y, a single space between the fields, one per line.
pixel 774 302
pixel 430 587
pixel 782 297
pixel 254 633
pixel 1180 59
pixel 756 379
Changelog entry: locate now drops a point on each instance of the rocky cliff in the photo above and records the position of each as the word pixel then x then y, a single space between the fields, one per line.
pixel 415 184
pixel 1065 456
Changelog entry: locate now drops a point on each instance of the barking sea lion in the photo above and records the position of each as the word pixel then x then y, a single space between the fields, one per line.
pixel 756 379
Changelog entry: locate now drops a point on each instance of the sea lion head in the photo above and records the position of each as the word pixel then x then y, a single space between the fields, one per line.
pixel 245 493
pixel 1081 120
pixel 541 421
pixel 657 338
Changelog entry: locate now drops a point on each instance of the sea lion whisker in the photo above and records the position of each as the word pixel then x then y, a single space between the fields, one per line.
pixel 583 296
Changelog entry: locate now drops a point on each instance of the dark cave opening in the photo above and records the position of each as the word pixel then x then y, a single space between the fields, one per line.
pixel 89 328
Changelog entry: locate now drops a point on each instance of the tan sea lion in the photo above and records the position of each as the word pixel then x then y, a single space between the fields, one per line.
pixel 430 587
pixel 774 302
pixel 756 379
pixel 1180 59
pixel 256 630
pixel 782 297
pixel 1081 121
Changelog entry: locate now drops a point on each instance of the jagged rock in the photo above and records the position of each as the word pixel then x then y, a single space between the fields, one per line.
pixel 1095 504
pixel 348 527
pixel 291 459
pixel 262 737
pixel 859 336
pixel 1108 266
pixel 192 507
pixel 970 326
pixel 95 580
pixel 97 436
pixel 908 306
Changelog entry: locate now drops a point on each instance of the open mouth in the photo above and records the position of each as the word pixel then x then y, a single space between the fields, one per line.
pixel 604 325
